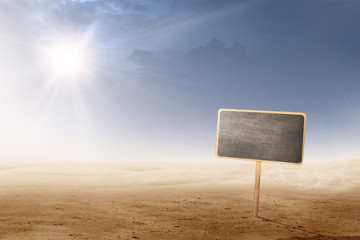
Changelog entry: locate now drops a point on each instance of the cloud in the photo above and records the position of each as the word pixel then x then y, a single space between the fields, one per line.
pixel 111 17
pixel 217 50
pixel 142 57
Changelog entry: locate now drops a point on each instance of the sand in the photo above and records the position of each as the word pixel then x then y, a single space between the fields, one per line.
pixel 175 201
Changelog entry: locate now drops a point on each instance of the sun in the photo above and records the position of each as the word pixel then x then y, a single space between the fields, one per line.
pixel 67 58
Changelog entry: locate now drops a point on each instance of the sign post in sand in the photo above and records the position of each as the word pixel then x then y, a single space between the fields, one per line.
pixel 261 136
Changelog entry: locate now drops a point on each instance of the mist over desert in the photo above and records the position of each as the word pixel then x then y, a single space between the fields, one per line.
pixel 154 200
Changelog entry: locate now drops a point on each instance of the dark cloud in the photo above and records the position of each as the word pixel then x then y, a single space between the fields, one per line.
pixel 217 50
pixel 142 57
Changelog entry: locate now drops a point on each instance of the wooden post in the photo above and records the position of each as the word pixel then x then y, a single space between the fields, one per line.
pixel 257 188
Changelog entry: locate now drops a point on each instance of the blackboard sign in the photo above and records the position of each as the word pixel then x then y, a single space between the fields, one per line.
pixel 261 135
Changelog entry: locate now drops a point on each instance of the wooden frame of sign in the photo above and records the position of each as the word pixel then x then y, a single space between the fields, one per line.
pixel 261 136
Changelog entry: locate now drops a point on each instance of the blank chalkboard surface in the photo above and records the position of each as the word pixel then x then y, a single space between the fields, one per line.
pixel 261 135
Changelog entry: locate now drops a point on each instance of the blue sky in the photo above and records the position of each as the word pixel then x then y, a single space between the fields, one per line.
pixel 158 71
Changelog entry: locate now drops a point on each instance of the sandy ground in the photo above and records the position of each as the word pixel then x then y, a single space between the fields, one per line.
pixel 212 201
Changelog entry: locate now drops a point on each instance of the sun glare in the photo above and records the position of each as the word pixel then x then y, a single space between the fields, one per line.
pixel 67 59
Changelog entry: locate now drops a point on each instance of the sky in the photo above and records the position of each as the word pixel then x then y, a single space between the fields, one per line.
pixel 150 76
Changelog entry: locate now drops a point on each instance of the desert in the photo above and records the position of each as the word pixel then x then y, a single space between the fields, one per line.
pixel 180 201
pixel 123 119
